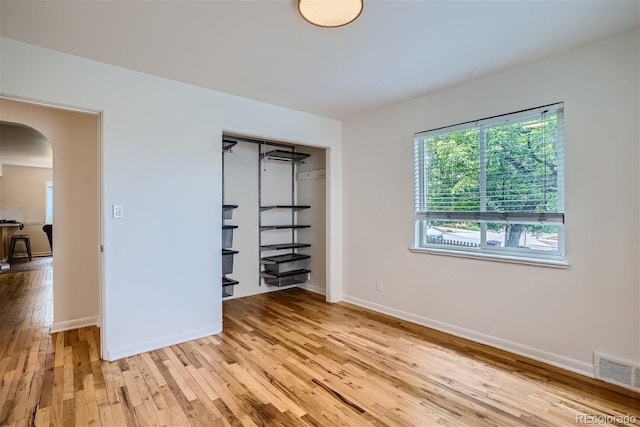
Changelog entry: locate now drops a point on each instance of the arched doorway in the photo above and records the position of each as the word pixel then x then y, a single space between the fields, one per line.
pixel 26 186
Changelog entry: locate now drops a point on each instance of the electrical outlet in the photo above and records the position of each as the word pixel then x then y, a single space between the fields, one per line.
pixel 118 211
pixel 379 285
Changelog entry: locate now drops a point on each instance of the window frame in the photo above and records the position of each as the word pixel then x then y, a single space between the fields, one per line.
pixel 556 258
pixel 48 201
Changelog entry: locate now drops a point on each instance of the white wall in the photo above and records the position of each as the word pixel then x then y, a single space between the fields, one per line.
pixel 312 192
pixel 161 160
pixel 241 188
pixel 557 315
pixel 25 187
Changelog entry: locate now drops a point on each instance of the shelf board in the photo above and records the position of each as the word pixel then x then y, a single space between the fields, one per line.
pixel 228 207
pixel 285 156
pixel 227 281
pixel 279 259
pixel 285 279
pixel 294 207
pixel 282 227
pixel 268 275
pixel 227 286
pixel 229 227
pixel 228 144
pixel 229 252
pixel 280 246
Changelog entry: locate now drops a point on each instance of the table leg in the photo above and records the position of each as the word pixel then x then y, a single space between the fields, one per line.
pixel 4 247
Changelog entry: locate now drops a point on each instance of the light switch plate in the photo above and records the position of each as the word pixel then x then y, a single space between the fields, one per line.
pixel 118 211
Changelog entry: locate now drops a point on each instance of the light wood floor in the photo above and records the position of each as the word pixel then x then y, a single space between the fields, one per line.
pixel 284 359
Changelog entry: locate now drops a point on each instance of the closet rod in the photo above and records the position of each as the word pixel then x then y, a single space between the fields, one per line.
pixel 239 137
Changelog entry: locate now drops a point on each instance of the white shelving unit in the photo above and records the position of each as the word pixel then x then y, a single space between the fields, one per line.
pixel 227 232
pixel 281 264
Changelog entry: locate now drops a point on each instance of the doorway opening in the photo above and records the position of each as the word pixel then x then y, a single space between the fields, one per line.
pixel 26 202
pixel 73 210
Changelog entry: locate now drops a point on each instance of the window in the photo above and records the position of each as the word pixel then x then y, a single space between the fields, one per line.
pixel 49 203
pixel 493 186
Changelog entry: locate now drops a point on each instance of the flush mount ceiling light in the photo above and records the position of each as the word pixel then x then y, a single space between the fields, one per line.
pixel 330 13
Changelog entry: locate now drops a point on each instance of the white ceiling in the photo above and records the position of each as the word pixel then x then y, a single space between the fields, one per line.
pixel 264 50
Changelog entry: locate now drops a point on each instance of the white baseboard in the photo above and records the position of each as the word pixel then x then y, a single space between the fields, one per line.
pixel 34 254
pixel 67 325
pixel 553 359
pixel 313 288
pixel 133 349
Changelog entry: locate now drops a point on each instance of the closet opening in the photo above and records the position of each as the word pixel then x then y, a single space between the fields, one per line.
pixel 274 214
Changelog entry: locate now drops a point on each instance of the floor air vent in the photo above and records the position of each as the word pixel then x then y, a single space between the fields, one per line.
pixel 614 371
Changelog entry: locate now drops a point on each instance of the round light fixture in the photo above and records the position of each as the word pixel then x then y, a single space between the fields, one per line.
pixel 330 13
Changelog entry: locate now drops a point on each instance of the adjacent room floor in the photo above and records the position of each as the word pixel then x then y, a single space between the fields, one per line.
pixel 285 358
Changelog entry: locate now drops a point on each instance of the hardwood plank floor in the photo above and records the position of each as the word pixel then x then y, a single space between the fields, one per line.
pixel 284 359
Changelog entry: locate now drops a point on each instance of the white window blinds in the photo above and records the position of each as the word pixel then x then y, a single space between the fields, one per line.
pixel 506 169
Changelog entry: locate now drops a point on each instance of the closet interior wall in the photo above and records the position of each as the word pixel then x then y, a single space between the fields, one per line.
pixel 311 191
pixel 241 177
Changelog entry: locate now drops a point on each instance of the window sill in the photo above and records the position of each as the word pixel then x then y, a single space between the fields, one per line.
pixel 494 257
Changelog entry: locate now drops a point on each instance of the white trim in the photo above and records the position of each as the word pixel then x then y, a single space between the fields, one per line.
pixel 154 344
pixel 42 165
pixel 102 321
pixel 67 325
pixel 56 105
pixel 494 257
pixel 41 254
pixel 333 223
pixel 557 360
pixel 491 121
